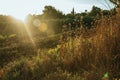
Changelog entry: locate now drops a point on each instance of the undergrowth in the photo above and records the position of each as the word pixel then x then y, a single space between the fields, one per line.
pixel 81 55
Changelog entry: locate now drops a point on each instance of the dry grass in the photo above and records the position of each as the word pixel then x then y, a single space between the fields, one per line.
pixel 94 52
pixel 82 55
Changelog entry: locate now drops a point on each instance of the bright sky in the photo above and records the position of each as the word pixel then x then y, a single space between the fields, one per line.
pixel 20 8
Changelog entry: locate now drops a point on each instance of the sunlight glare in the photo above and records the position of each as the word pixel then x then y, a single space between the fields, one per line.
pixel 21 18
pixel 29 35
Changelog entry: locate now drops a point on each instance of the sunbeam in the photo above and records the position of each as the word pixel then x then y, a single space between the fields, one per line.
pixel 29 35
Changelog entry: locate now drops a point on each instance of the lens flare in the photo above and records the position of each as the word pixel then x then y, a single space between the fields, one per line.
pixel 36 22
pixel 43 27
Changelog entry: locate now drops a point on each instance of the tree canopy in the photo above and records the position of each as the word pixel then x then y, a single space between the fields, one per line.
pixel 50 12
pixel 116 2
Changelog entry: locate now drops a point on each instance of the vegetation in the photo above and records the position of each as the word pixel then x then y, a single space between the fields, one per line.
pixel 75 46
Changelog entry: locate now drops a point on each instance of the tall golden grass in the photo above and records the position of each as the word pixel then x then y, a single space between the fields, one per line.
pixel 96 51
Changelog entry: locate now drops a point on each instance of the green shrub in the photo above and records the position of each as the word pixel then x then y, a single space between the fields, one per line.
pixel 17 70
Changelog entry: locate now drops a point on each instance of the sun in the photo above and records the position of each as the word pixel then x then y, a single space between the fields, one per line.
pixel 20 17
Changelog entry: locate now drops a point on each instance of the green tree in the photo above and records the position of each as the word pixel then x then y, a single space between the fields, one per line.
pixel 95 11
pixel 73 12
pixel 50 12
pixel 87 22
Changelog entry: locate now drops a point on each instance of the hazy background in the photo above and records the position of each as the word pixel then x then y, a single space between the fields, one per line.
pixel 20 8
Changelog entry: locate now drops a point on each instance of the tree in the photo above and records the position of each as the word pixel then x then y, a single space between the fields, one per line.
pixel 95 11
pixel 87 22
pixel 116 2
pixel 73 12
pixel 50 12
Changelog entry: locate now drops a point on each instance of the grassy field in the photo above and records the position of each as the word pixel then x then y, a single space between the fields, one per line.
pixel 80 54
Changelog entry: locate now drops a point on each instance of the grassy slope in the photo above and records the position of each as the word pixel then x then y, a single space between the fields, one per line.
pixel 92 55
